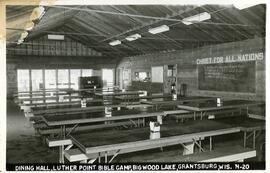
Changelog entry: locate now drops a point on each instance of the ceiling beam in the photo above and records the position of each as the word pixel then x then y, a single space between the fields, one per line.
pixel 144 25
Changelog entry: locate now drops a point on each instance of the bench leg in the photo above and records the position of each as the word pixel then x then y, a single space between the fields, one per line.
pixel 210 143
pixel 106 157
pixel 245 139
pixel 83 161
pixel 188 148
pixel 99 158
pixel 61 154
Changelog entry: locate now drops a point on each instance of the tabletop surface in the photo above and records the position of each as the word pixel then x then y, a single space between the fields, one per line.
pixel 212 104
pixel 109 137
pixel 149 96
pixel 169 100
pixel 72 104
pixel 78 108
pixel 118 93
pixel 82 118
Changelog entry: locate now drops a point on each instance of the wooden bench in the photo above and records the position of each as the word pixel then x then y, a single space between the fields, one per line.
pixel 43 129
pixel 127 147
pixel 181 114
pixel 224 154
pixel 256 116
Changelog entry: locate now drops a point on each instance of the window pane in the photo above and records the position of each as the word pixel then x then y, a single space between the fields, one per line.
pixel 74 78
pixel 23 80
pixel 50 79
pixel 37 81
pixel 107 77
pixel 62 78
pixel 142 75
pixel 87 72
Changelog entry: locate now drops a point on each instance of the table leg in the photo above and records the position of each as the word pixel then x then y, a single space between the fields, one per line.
pixel 200 143
pixel 210 143
pixel 245 136
pixel 64 131
pixel 106 157
pixel 254 139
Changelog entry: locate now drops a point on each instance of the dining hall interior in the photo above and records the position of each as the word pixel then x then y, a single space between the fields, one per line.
pixel 100 84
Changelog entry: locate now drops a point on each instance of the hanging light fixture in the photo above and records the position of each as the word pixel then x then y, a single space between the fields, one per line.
pixel 20 41
pixel 37 13
pixel 115 42
pixel 160 29
pixel 56 37
pixel 24 35
pixel 133 37
pixel 196 18
pixel 29 26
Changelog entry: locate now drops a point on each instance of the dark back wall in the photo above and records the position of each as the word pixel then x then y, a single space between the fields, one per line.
pixel 187 70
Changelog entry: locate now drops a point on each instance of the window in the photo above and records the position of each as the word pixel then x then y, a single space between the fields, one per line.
pixel 62 78
pixel 157 74
pixel 37 80
pixel 142 75
pixel 74 78
pixel 50 79
pixel 87 72
pixel 23 80
pixel 107 77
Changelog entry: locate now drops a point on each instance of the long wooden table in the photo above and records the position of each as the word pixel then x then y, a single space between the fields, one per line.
pixel 34 100
pixel 99 117
pixel 211 105
pixel 65 90
pixel 17 94
pixel 114 142
pixel 75 110
pixel 118 93
pixel 35 108
pixel 137 98
pixel 124 117
pixel 72 104
pixel 159 102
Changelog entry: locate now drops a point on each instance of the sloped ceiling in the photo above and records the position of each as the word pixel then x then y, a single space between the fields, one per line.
pixel 95 26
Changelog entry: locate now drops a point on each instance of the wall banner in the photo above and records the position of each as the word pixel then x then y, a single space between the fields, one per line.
pixel 232 58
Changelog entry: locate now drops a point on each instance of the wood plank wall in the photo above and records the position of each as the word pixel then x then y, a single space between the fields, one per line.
pixel 44 47
pixel 67 54
pixel 187 68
